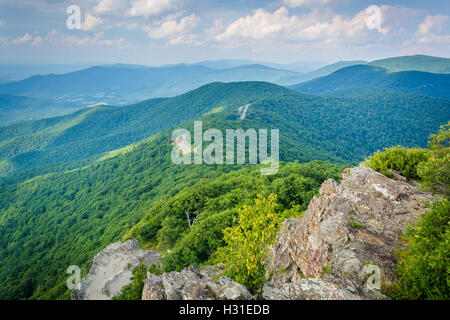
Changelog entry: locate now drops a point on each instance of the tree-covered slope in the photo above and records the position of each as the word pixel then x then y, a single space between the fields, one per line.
pixel 414 63
pixel 98 129
pixel 15 109
pixel 365 77
pixel 326 128
pixel 125 84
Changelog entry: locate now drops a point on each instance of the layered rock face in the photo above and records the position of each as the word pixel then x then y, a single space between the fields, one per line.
pixel 193 284
pixel 351 232
pixel 111 270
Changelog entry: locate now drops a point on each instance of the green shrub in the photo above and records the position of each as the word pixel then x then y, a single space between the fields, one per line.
pixel 133 290
pixel 404 160
pixel 155 269
pixel 424 268
pixel 355 225
pixel 435 172
pixel 247 243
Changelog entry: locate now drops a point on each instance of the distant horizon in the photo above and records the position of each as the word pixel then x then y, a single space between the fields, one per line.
pixel 102 63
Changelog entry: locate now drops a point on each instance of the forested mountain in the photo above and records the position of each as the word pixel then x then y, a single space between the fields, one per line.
pixel 98 129
pixel 328 69
pixel 310 125
pixel 60 218
pixel 124 84
pixel 417 63
pixel 18 108
pixel 363 77
pixel 15 72
pixel 300 66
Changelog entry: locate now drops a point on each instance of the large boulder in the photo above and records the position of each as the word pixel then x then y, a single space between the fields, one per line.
pixel 349 232
pixel 111 270
pixel 194 284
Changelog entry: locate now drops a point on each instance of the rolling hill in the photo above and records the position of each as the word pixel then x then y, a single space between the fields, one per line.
pixel 93 131
pixel 98 129
pixel 124 84
pixel 18 108
pixel 365 77
pixel 417 62
pixel 328 69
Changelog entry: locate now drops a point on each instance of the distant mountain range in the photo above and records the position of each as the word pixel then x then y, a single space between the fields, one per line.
pixel 364 78
pixel 123 84
pixel 417 63
pixel 18 108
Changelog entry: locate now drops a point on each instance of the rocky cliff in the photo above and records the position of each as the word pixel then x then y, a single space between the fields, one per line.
pixel 111 270
pixel 347 236
pixel 194 284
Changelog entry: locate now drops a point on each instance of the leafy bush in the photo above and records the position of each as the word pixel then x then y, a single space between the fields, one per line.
pixel 155 269
pixel 404 160
pixel 435 172
pixel 424 269
pixel 247 243
pixel 133 290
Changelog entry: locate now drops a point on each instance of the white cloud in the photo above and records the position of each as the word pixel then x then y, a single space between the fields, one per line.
pixel 91 22
pixel 26 38
pixel 3 41
pixel 2 23
pixel 431 23
pixel 177 31
pixel 37 41
pixel 135 8
pixel 427 33
pixel 97 39
pixel 110 6
pixel 146 8
pixel 260 25
pixel 305 3
pixel 435 40
pixel 279 25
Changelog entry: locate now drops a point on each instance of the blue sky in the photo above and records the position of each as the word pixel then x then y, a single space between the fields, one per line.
pixel 156 32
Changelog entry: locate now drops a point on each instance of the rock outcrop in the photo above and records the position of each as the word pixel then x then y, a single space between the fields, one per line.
pixel 193 284
pixel 111 270
pixel 348 234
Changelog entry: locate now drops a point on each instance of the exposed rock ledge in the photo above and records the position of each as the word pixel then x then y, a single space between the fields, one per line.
pixel 194 284
pixel 351 227
pixel 111 270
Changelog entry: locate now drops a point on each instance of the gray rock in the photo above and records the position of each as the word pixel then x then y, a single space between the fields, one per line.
pixel 111 270
pixel 352 225
pixel 194 284
pixel 327 288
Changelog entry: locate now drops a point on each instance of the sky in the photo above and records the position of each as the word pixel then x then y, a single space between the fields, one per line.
pixel 158 32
